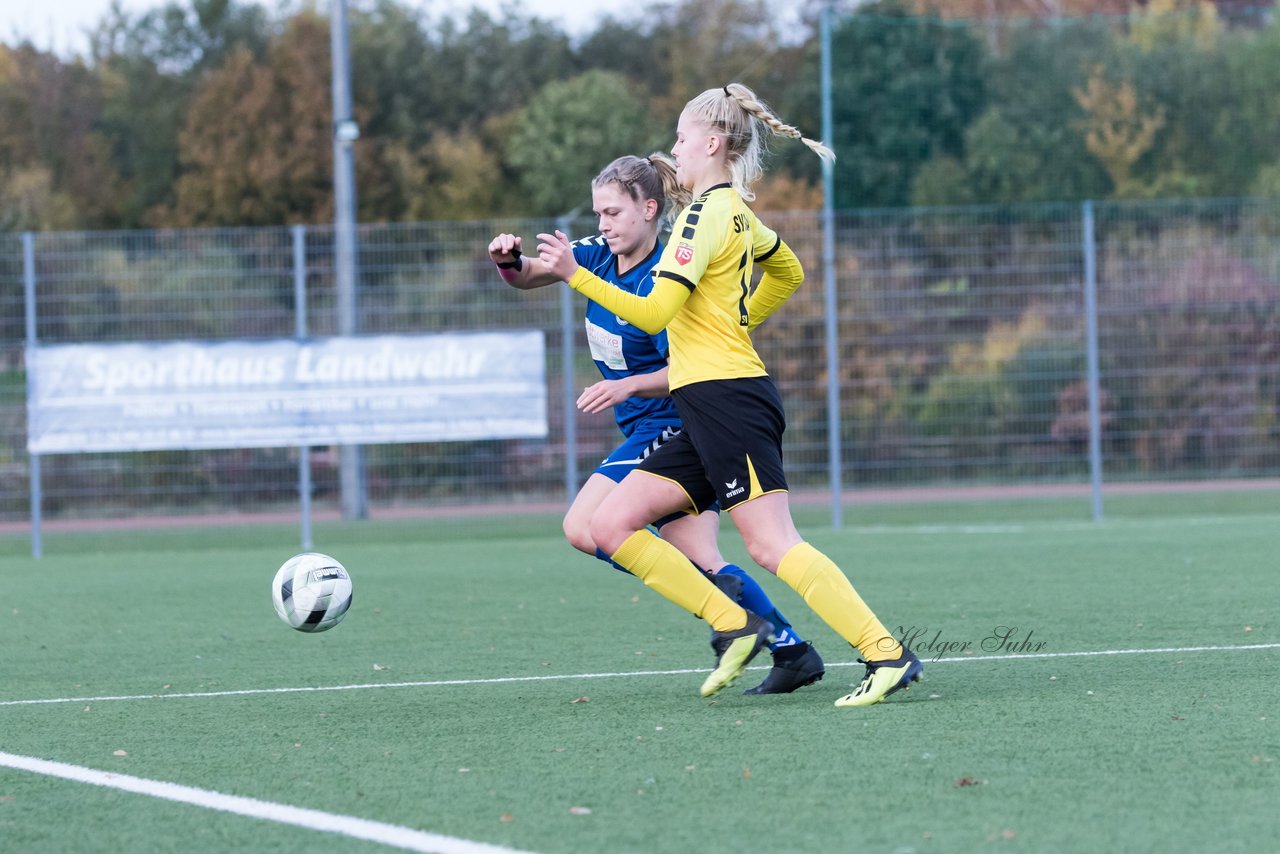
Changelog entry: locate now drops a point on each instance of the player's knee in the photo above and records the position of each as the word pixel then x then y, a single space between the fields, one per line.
pixel 608 534
pixel 764 552
pixel 578 533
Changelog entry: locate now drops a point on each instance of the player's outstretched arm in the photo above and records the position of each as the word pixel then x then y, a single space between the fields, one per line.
pixel 516 269
pixel 609 393
pixel 651 312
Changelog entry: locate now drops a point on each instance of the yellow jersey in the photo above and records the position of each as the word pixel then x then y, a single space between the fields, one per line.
pixel 702 289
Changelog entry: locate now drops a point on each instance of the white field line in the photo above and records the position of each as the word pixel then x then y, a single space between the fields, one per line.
pixel 1110 523
pixel 396 836
pixel 502 680
pixel 405 838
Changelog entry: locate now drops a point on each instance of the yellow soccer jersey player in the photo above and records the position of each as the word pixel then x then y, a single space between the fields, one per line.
pixel 730 449
pixel 701 292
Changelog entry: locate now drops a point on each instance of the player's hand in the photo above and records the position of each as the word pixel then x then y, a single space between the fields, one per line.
pixel 556 253
pixel 602 396
pixel 504 249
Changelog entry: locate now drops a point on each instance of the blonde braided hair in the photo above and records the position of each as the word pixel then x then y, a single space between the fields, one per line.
pixel 741 117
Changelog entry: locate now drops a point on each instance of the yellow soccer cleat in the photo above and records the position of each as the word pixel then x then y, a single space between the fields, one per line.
pixel 883 678
pixel 734 650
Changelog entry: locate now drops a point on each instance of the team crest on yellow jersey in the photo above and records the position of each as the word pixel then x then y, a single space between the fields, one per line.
pixel 684 253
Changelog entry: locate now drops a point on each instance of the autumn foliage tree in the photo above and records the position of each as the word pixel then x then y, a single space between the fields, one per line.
pixel 1117 131
pixel 54 164
pixel 256 146
pixel 217 112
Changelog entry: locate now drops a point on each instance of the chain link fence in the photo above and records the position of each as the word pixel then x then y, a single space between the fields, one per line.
pixel 962 351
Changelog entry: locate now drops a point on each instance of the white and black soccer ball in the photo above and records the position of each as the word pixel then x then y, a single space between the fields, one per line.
pixel 311 592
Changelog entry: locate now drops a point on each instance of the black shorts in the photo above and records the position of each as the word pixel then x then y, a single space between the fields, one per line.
pixel 730 449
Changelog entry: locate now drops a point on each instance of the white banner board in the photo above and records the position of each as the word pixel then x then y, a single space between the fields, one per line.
pixel 263 394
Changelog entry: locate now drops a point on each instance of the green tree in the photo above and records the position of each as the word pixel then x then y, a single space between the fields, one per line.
pixel 149 65
pixel 904 89
pixel 708 43
pixel 183 39
pixel 1207 83
pixel 569 131
pixel 685 47
pixel 631 51
pixel 1027 146
pixel 996 168
pixel 491 67
pixel 1252 127
pixel 392 57
pixel 435 101
pixel 52 157
pixel 141 113
pixel 449 177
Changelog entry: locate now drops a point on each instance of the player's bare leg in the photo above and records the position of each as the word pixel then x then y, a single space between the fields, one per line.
pixel 618 528
pixel 774 543
pixel 796 663
pixel 577 521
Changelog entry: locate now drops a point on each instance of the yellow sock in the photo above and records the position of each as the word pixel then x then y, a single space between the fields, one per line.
pixel 828 592
pixel 661 566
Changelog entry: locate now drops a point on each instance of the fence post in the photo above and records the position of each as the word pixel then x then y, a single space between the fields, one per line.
pixel 569 384
pixel 29 292
pixel 300 332
pixel 1091 357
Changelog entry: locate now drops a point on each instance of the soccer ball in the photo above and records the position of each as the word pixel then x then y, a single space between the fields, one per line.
pixel 311 592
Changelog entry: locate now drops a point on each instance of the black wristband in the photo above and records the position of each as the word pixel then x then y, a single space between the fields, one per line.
pixel 511 265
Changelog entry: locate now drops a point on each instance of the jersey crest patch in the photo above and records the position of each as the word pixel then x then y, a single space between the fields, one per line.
pixel 684 253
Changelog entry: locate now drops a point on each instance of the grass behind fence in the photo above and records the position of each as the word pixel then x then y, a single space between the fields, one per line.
pixel 1168 751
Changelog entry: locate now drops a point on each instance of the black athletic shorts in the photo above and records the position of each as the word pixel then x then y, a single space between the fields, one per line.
pixel 730 449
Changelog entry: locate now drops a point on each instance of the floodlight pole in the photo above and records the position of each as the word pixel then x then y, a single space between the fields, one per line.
pixel 835 464
pixel 355 504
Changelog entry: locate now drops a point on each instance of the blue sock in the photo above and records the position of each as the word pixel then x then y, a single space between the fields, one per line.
pixel 755 600
pixel 604 557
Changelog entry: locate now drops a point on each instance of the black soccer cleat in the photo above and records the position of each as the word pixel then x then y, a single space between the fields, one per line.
pixel 793 667
pixel 729 585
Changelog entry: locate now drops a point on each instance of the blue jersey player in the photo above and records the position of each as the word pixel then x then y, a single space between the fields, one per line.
pixel 629 197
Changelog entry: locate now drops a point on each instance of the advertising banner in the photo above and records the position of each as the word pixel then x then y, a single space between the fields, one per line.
pixel 284 392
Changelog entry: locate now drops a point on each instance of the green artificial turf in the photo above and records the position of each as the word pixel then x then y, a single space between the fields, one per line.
pixel 583 740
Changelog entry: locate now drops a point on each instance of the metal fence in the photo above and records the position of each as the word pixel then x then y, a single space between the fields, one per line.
pixel 962 350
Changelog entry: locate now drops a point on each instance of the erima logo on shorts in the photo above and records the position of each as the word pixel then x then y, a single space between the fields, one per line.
pixel 734 489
